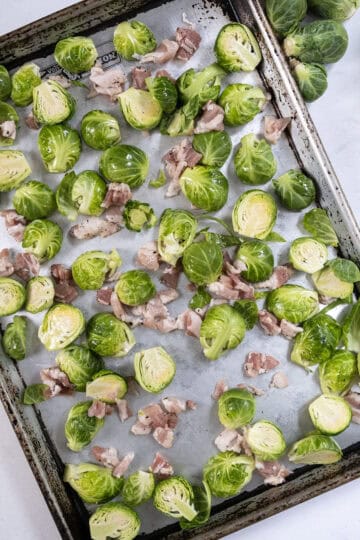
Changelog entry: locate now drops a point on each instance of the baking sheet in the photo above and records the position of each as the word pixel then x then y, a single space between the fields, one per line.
pixel 196 376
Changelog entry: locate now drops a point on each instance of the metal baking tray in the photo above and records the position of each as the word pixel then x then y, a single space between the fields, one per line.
pixel 40 429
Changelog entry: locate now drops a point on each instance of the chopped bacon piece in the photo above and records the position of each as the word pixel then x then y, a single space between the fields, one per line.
pixel 8 129
pixel 93 226
pixel 57 381
pixel 191 405
pixel 233 268
pixel 176 160
pixel 273 472
pixel 164 436
pixel 231 287
pixel 190 321
pixel 289 330
pixel 161 467
pixel 252 389
pixel 116 195
pixel 164 73
pixel 212 119
pixel 171 275
pixel 154 416
pixel 138 76
pixel 123 465
pixel 155 315
pixel 279 380
pixel 114 215
pixel 148 256
pixel 106 456
pixel 188 40
pixel 229 439
pixel 61 273
pixel 163 53
pixel 220 387
pixel 279 277
pixel 63 81
pixel 269 323
pixel 6 265
pixel 257 363
pixel 273 128
pixel 65 292
pixel 107 83
pixel 121 313
pixel 26 266
pixel 353 399
pixel 31 121
pixel 174 405
pixel 140 429
pixel 168 295
pixel 103 296
pixel 14 223
pixel 97 409
pixel 123 409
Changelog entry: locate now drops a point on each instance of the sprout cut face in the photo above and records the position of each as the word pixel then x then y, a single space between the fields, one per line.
pixel 107 386
pixel 23 82
pixel 60 147
pixel 202 503
pixel 135 287
pixel 266 440
pixel 5 83
pixel 88 192
pixel 100 130
pixel 43 238
pixel 174 497
pixel 92 268
pixel 107 336
pixel 138 488
pixel 177 231
pixel 338 373
pixel 138 216
pixel 227 473
pixel 12 296
pixel 140 109
pixel 236 408
pixel 61 325
pixel 34 200
pixel 222 329
pixel 205 187
pixel 311 80
pixel 114 520
pixel 236 48
pixel 215 147
pixel 133 37
pixel 293 303
pixel 14 338
pixel 52 104
pixel 79 364
pixel 76 54
pixel 124 163
pixel 80 428
pixel 308 255
pixel 258 258
pixel 154 369
pixel 254 214
pixel 295 190
pixel 315 449
pixel 40 294
pixel 241 103
pixel 203 262
pixel 351 328
pixel 329 284
pixel 330 414
pixel 7 114
pixel 254 161
pixel 94 484
pixel 14 168
pixel 284 16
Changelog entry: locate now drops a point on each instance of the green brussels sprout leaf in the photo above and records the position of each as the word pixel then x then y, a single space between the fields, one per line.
pixel 204 84
pixel 158 182
pixel 14 338
pixel 164 91
pixel 200 299
pixel 317 223
pixel 35 393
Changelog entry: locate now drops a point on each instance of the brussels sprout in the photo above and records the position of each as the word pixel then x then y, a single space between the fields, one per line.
pixel 308 255
pixel 351 328
pixel 215 147
pixel 181 122
pixel 138 216
pixel 236 408
pixel 106 386
pixel 5 83
pixel 61 325
pixel 14 338
pixel 317 223
pixel 177 231
pixel 14 168
pixel 108 336
pixel 43 238
pixel 7 114
pixel 12 296
pixel 158 182
pixel 174 497
pixel 254 160
pixel 60 147
pixel 315 449
pixel 133 38
pixel 138 488
pixel 40 294
pixel 284 16
pixel 124 163
pixel 241 103
pixel 337 374
pixel 154 369
pixel 338 10
pixel 88 192
pixel 79 364
pixel 100 130
pixel 135 287
pixel 34 200
pixel 164 91
pixel 24 81
pixel 345 270
pixel 204 84
pixel 293 303
pixel 140 109
pixel 266 440
pixel 330 414
pixel 114 520
pixel 222 329
pixel 227 473
pixel 295 190
pixel 205 187
pixel 236 48
pixel 248 310
pixel 317 342
pixel 254 214
pixel 92 268
pixel 80 428
pixel 328 284
pixel 323 42
pixel 203 262
pixel 258 258
pixel 76 54
pixel 52 103
pixel 64 201
pixel 200 299
pixel 94 484
pixel 202 503
pixel 311 80
pixel 35 393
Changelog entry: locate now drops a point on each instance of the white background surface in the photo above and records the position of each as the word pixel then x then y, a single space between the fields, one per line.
pixel 333 516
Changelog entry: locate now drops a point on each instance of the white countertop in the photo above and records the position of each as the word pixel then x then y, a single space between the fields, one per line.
pixel 333 516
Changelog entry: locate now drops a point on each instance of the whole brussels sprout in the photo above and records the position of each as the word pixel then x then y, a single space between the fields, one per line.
pixel 106 386
pixel 223 328
pixel 338 10
pixel 254 214
pixel 215 147
pixel 205 187
pixel 284 16
pixel 338 372
pixel 330 414
pixel 43 238
pixel 258 258
pixel 140 109
pixel 7 114
pixel 76 54
pixel 241 103
pixel 266 440
pixel 307 254
pixel 80 428
pixel 14 168
pixel 254 161
pixel 205 84
pixel 351 328
pixel 182 121
pixel 323 42
pixel 100 130
pixel 203 262
pixel 135 287
pixel 236 408
pixel 5 83
pixel 92 268
pixel 202 504
pixel 236 48
pixel 61 325
pixel 138 488
pixel 293 303
pixel 327 283
pixel 114 520
pixel 315 449
pixel 248 310
pixel 317 223
pixel 88 192
pixel 124 163
pixel 24 80
pixel 227 473
pixel 35 393
pixel 295 190
pixel 164 91
pixel 138 216
pixel 311 80
pixel 79 364
pixel 94 484
pixel 60 147
pixel 34 200
pixel 40 294
pixel 174 497
pixel 108 336
pixel 154 369
pixel 14 338
pixel 52 103
pixel 12 296
pixel 133 38
pixel 177 231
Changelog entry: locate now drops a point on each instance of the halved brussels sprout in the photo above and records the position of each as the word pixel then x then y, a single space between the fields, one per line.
pixel 80 428
pixel 79 364
pixel 293 303
pixel 100 130
pixel 284 16
pixel 311 80
pixel 236 408
pixel 202 504
pixel 315 449
pixel 248 310
pixel 5 83
pixel 236 48
pixel 40 294
pixel 114 520
pixel 205 187
pixel 345 270
pixel 88 192
pixel 64 200
pixel 76 54
pixel 266 440
pixel 61 325
pixel 351 328
pixel 106 386
pixel 34 200
pixel 295 190
pixel 222 329
pixel 200 299
pixel 133 38
pixel 14 338
pixel 35 393
pixel 337 374
pixel 140 109
pixel 24 80
pixel 203 262
pixel 92 268
pixel 308 255
pixel 215 147
pixel 14 168
pixel 318 224
pixel 204 84
pixel 135 287
pixel 94 484
pixel 177 231
pixel 174 497
pixel 138 216
pixel 8 117
pixel 164 91
pixel 138 488
pixel 52 103
pixel 182 121
pixel 12 296
pixel 254 214
pixel 327 283
pixel 154 369
pixel 43 238
pixel 124 163
pixel 241 103
pixel 108 336
pixel 330 414
pixel 259 260
pixel 338 10
pixel 227 473
pixel 254 161
pixel 60 147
